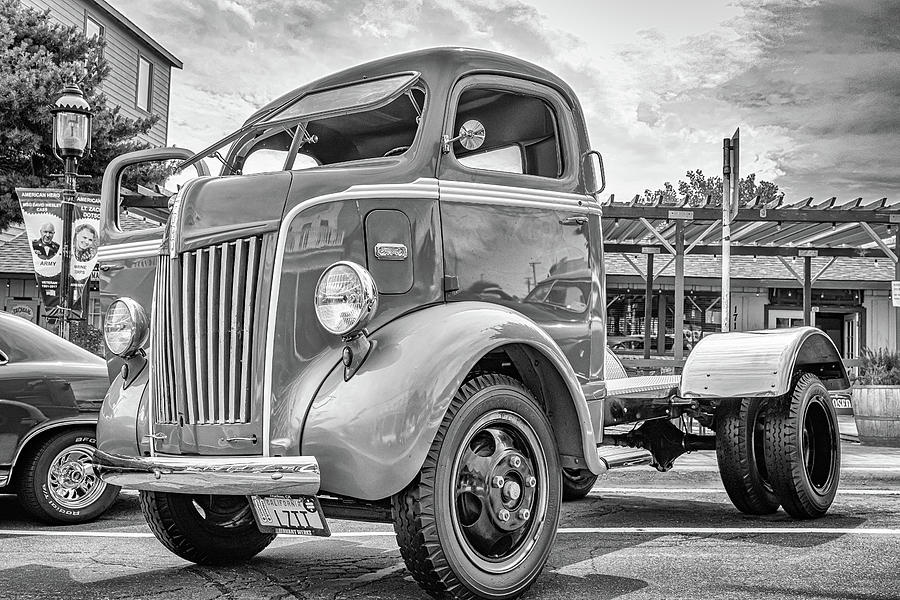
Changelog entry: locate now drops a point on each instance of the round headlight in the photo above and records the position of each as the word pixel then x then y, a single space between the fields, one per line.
pixel 346 298
pixel 126 327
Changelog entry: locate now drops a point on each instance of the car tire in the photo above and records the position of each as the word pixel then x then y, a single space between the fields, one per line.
pixel 577 483
pixel 450 522
pixel 803 449
pixel 740 450
pixel 57 483
pixel 207 529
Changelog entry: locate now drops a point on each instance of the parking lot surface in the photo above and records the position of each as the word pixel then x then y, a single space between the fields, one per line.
pixel 639 534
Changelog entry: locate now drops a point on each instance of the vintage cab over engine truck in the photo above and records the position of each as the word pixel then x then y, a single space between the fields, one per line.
pixel 389 306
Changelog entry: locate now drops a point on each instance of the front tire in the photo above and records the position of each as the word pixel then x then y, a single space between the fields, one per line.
pixel 803 449
pixel 58 483
pixel 481 517
pixel 207 530
pixel 740 442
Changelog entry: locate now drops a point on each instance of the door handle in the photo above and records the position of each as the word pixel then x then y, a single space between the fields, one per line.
pixel 111 267
pixel 574 220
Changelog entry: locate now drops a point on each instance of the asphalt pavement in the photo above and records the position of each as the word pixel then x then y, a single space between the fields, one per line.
pixel 638 535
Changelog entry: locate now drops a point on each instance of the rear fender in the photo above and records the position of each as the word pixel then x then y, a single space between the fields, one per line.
pixel 760 363
pixel 371 434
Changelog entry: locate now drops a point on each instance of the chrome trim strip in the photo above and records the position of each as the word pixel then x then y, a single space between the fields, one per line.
pixel 232 476
pixel 249 314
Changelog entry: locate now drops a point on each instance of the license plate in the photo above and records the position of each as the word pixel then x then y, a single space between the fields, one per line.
pixel 294 515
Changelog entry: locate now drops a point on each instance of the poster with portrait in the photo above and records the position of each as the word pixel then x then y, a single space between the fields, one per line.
pixel 42 213
pixel 84 244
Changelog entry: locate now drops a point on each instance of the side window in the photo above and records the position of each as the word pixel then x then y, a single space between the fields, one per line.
pixel 144 84
pixel 521 133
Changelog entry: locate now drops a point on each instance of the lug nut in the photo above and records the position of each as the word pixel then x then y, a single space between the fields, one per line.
pixel 503 515
pixel 524 514
pixel 497 481
pixel 531 482
pixel 516 462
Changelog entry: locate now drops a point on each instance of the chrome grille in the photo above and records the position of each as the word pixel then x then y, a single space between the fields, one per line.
pixel 205 301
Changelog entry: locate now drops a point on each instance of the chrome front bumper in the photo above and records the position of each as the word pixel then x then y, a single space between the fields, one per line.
pixel 239 476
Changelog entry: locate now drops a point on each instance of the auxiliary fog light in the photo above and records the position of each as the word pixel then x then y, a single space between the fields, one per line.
pixel 346 298
pixel 126 327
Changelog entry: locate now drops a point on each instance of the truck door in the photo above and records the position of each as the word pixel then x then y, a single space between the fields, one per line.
pixel 516 225
pixel 132 223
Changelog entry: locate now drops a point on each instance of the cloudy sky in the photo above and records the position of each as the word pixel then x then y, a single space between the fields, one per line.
pixel 813 85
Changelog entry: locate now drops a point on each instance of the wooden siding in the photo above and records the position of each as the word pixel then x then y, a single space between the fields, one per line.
pixel 122 50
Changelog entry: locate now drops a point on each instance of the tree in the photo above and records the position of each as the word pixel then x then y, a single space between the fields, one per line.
pixel 37 58
pixel 697 187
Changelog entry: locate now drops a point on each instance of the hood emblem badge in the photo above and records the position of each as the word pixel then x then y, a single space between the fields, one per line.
pixel 391 251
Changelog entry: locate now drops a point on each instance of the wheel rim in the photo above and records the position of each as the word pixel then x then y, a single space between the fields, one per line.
pixel 498 491
pixel 71 479
pixel 228 512
pixel 816 444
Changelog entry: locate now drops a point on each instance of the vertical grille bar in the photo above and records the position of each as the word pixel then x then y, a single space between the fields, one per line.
pixel 187 329
pixel 200 334
pixel 212 335
pixel 224 309
pixel 168 366
pixel 249 311
pixel 237 318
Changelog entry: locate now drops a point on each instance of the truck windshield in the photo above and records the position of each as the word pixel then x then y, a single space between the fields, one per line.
pixel 362 120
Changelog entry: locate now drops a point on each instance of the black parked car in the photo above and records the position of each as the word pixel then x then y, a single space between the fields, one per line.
pixel 50 395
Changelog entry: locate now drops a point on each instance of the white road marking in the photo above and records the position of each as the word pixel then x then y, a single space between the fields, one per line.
pixel 715 469
pixel 562 531
pixel 599 491
pixel 381 573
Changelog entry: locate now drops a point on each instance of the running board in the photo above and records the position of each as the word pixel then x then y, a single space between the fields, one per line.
pixel 612 457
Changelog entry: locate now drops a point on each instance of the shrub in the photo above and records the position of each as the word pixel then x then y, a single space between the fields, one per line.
pixel 879 367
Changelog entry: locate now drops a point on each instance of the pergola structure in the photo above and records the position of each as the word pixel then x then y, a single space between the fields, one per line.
pixel 785 230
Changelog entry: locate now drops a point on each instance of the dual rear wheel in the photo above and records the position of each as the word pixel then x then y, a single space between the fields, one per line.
pixel 782 451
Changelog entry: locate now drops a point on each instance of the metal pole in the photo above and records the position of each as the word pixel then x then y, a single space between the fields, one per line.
pixel 679 290
pixel 661 328
pixel 648 305
pixel 807 291
pixel 68 204
pixel 726 236
pixel 896 277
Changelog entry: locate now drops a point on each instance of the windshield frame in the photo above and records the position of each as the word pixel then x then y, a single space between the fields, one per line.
pixel 260 122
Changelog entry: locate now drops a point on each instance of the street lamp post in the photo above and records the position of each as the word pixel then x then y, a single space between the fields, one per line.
pixel 71 141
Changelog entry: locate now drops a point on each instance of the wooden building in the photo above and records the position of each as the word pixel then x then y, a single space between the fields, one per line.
pixel 139 81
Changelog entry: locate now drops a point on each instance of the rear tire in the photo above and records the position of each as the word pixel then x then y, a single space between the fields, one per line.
pixel 577 483
pixel 207 530
pixel 803 449
pixel 481 517
pixel 740 441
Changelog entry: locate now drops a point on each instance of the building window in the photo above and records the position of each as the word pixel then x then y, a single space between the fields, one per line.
pixel 93 28
pixel 144 83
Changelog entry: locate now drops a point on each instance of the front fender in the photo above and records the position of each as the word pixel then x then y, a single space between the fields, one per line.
pixel 371 434
pixel 760 363
pixel 124 418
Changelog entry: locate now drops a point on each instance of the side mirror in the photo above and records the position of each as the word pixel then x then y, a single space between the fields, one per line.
pixel 592 163
pixel 471 136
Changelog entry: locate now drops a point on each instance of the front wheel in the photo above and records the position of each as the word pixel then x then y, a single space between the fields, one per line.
pixel 803 449
pixel 480 518
pixel 207 530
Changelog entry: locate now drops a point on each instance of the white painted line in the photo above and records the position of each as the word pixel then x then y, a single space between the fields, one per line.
pixel 715 469
pixel 562 530
pixel 653 490
pixel 733 530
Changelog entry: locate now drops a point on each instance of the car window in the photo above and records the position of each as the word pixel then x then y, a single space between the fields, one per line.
pixel 25 341
pixel 515 123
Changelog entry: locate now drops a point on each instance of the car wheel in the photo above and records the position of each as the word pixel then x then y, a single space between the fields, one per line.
pixel 577 483
pixel 207 530
pixel 740 443
pixel 58 483
pixel 480 518
pixel 803 449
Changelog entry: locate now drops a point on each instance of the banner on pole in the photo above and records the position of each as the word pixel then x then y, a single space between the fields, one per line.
pixel 42 213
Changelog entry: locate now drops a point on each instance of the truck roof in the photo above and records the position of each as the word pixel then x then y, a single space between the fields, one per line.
pixel 445 64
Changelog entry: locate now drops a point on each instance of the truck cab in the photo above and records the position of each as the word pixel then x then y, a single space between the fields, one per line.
pixel 388 306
